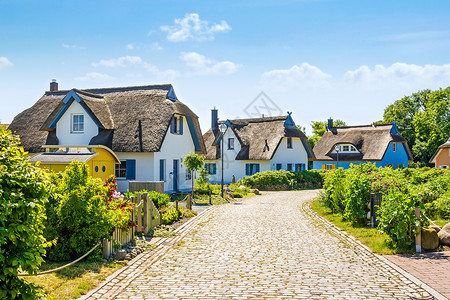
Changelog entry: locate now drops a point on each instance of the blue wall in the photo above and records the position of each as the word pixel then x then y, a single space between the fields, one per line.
pixel 400 157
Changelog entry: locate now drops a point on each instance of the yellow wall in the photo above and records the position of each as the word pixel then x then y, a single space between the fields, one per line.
pixel 443 159
pixel 103 159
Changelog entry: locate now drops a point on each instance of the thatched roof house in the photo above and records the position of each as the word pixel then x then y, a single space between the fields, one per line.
pixel 259 137
pixel 441 158
pixel 255 145
pixel 357 144
pixel 116 111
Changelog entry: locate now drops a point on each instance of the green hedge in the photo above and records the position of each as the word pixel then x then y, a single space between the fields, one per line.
pixel 348 192
pixel 284 180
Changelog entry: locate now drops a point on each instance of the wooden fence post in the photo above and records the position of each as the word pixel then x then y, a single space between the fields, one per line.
pixel 139 213
pixel 145 212
pixel 419 232
pixel 133 217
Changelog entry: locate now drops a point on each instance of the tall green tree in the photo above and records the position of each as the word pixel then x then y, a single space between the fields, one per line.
pixel 423 119
pixel 193 162
pixel 319 129
pixel 22 196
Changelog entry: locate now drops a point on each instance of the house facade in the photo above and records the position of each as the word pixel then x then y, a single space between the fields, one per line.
pixel 145 129
pixel 254 145
pixel 342 146
pixel 441 158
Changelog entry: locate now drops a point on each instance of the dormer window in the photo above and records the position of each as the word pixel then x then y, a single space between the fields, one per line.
pixel 289 143
pixel 176 125
pixel 77 123
pixel 394 147
pixel 348 148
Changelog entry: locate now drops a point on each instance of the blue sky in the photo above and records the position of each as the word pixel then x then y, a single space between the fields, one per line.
pixel 344 59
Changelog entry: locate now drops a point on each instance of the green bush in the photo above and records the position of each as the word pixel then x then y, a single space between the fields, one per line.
pixel 22 197
pixel 283 180
pixel 83 218
pixel 171 215
pixel 160 200
pixel 397 219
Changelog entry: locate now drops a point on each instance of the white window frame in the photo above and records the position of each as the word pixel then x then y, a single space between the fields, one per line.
pixel 329 166
pixel 230 143
pixel 72 123
pixel 118 169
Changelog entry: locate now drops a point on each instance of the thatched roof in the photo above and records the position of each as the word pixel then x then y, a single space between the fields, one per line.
pixel 116 111
pixel 259 137
pixel 443 146
pixel 371 141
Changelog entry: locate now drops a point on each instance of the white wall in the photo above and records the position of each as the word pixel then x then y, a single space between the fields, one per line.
pixel 144 167
pixel 63 127
pixel 296 155
pixel 234 167
pixel 175 146
pixel 230 165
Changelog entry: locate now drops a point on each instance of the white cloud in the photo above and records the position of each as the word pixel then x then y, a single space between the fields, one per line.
pixel 68 46
pixel 129 46
pixel 304 76
pixel 401 73
pixel 94 76
pixel 202 65
pixel 4 62
pixel 168 74
pixel 119 62
pixel 192 28
pixel 157 46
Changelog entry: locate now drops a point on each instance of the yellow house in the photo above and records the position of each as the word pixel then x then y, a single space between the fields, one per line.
pixel 441 159
pixel 100 159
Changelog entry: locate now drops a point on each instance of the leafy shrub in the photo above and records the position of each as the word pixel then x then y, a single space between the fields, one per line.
pixel 440 208
pixel 83 216
pixel 283 180
pixel 160 200
pixel 397 219
pixel 171 215
pixel 237 194
pixel 22 197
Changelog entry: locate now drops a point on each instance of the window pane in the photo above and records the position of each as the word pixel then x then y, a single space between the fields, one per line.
pixel 345 148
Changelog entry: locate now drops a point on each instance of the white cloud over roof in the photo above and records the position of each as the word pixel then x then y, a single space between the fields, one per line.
pixel 191 27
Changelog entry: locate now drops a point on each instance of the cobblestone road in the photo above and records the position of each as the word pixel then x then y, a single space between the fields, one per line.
pixel 267 247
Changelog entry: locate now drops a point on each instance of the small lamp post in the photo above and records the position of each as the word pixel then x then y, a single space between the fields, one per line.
pixel 222 129
pixel 337 149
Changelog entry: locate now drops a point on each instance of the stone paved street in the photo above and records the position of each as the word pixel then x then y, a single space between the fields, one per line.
pixel 268 247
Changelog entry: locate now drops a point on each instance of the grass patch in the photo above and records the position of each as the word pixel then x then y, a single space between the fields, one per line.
pixel 376 241
pixel 74 281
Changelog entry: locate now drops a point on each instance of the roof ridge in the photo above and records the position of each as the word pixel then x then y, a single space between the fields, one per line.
pixel 116 89
pixel 88 94
pixel 258 120
pixel 361 126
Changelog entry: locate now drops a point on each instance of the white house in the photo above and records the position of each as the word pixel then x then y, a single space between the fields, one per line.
pixel 254 145
pixel 146 127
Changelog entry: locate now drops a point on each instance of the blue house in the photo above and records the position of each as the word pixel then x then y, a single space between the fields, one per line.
pixel 345 145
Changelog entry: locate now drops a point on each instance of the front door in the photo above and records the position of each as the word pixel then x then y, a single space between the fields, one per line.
pixel 175 175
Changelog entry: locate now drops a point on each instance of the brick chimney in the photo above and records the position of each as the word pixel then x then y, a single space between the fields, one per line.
pixel 53 86
pixel 330 123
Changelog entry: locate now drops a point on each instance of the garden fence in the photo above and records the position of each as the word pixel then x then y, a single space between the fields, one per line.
pixel 145 216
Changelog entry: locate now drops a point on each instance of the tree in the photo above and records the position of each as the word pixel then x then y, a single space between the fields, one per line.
pixel 423 119
pixel 319 129
pixel 22 197
pixel 193 163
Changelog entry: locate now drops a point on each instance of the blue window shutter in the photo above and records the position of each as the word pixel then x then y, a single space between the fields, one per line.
pixel 181 125
pixel 297 167
pixel 131 169
pixel 257 168
pixel 303 167
pixel 172 125
pixel 161 170
pixel 247 169
pixel 214 169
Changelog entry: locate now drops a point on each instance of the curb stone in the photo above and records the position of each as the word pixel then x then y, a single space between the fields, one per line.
pixel 422 290
pixel 119 280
